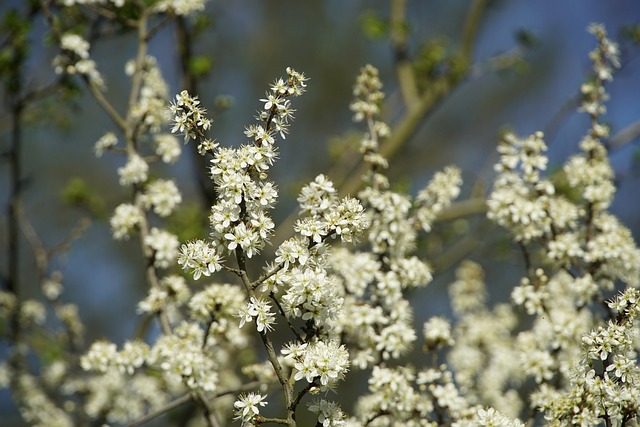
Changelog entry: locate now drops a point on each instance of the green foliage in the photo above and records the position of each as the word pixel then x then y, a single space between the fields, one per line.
pixel 200 66
pixel 431 56
pixel 187 222
pixel 632 33
pixel 373 26
pixel 526 38
pixel 436 59
pixel 77 192
pixel 15 28
pixel 200 23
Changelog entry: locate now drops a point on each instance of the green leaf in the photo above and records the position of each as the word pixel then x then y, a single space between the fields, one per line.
pixel 373 26
pixel 188 222
pixel 526 38
pixel 632 33
pixel 77 192
pixel 200 65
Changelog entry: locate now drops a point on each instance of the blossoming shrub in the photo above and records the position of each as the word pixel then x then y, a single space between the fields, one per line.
pixel 333 298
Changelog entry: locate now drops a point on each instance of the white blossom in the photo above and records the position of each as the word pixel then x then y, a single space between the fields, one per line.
pixel 124 219
pixel 248 407
pixel 135 171
pixel 163 196
pixel 105 142
pixel 164 246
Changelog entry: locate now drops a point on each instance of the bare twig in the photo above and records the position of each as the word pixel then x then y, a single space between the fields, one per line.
pixel 347 172
pixel 185 398
pixel 404 69
pixel 625 136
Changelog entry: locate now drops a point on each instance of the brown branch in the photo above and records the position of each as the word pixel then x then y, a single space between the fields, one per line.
pixel 185 398
pixel 625 136
pixel 268 345
pixel 404 69
pixel 470 29
pixel 347 172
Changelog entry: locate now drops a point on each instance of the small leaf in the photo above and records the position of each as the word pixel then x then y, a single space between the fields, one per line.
pixel 200 65
pixel 373 27
pixel 77 192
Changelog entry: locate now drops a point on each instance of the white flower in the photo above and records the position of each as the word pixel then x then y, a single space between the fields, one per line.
pixel 163 196
pixel 180 7
pixel 492 418
pixel 395 340
pixel 441 190
pixel 217 304
pixel 189 118
pixel 260 309
pixel 437 332
pixel 124 219
pixel 272 101
pixel 367 91
pixel 199 257
pixel 314 229
pixel 132 356
pixel 312 295
pixel 105 142
pixel 164 246
pixel 100 356
pixel 244 237
pixel 33 311
pixel 173 289
pixel 318 196
pixel 292 251
pixel 75 44
pixel 248 407
pixel 329 413
pixel 135 171
pixel 293 352
pixel 183 356
pixel 326 362
pixel 167 147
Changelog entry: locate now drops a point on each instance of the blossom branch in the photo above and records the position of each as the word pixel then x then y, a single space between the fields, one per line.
pixel 268 344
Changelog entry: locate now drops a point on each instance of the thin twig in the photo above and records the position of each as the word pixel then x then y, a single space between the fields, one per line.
pixel 161 411
pixel 404 69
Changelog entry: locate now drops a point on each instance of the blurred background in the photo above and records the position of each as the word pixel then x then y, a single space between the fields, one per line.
pixel 528 61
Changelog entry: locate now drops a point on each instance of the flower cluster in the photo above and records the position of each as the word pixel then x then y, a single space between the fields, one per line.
pixel 125 218
pixel 521 199
pixel 401 396
pixel 172 291
pixel 200 258
pixel 483 355
pixel 182 357
pixel 189 118
pixel 322 363
pixel 311 295
pixel 149 111
pixel 259 309
pixel 564 349
pixel 239 219
pixel 241 228
pixel 329 413
pixel 584 361
pixel 605 57
pixel 607 385
pixel 74 59
pixel 248 407
pixel 163 196
pixel 376 319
